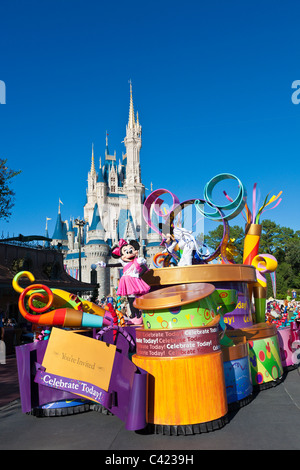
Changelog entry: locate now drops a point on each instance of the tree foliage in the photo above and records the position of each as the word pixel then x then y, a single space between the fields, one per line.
pixel 6 193
pixel 281 242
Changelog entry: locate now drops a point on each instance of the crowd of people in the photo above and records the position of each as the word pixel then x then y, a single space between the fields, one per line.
pixel 119 303
pixel 277 308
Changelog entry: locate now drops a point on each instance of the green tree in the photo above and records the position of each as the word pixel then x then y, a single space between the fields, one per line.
pixel 269 237
pixel 292 254
pixel 284 280
pixel 6 193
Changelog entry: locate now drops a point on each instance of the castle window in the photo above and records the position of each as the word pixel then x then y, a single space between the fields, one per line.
pixel 93 276
pixel 113 184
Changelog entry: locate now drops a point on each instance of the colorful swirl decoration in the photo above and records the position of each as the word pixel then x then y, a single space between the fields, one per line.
pixel 254 216
pixel 263 264
pixel 61 298
pixel 205 257
pixel 65 317
pixel 154 202
pixel 159 260
pixel 234 207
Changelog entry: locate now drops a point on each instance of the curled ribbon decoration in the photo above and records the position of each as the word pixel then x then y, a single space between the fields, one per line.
pixel 265 264
pixel 65 317
pixel 234 207
pixel 254 217
pixel 169 218
pixel 21 274
pixel 60 298
pixel 162 259
pixel 221 249
pixel 154 201
pixel 68 310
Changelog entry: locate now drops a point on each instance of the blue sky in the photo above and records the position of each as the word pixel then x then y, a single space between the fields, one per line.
pixel 212 82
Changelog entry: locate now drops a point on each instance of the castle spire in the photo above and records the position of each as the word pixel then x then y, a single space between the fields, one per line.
pixel 131 121
pixel 59 203
pixel 93 170
pixel 106 144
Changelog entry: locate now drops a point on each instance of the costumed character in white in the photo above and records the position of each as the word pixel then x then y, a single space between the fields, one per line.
pixel 187 243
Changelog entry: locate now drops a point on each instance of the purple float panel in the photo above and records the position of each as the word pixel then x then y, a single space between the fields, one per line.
pixel 32 394
pixel 126 396
pixel 128 384
pixel 241 316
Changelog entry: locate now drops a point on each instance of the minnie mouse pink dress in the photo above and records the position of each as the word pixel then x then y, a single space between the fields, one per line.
pixel 130 283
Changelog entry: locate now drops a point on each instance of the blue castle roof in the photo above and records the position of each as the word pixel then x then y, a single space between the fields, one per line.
pixel 71 228
pixel 100 178
pixel 96 221
pixel 97 226
pixel 60 231
pixel 125 219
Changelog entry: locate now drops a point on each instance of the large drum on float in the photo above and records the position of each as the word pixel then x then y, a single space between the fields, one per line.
pixel 237 373
pixel 179 348
pixel 264 354
pixel 225 278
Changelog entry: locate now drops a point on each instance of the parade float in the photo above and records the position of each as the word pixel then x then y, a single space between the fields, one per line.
pixel 202 347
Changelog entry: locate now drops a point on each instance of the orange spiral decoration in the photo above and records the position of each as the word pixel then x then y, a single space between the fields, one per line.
pixel 65 317
pixel 158 259
pixel 47 317
pixel 121 318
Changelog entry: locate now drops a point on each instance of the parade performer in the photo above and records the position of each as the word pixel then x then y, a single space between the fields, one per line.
pixel 131 284
pixel 187 243
pixel 171 251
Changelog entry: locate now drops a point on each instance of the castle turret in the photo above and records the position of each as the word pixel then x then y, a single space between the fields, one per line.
pixel 96 229
pixel 46 244
pixel 133 144
pixel 91 193
pixel 133 186
pixel 59 237
pixel 71 236
pixel 96 249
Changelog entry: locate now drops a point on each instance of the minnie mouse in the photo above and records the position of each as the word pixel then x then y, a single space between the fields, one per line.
pixel 134 266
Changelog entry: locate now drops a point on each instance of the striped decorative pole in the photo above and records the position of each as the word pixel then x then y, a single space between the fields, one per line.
pixel 251 243
pixel 251 247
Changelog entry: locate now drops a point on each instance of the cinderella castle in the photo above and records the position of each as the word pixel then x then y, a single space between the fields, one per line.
pixel 114 209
